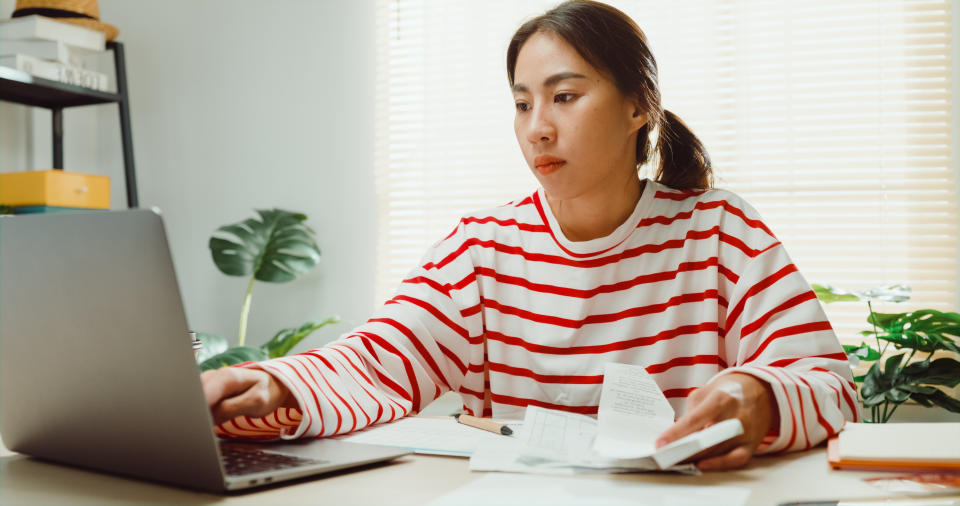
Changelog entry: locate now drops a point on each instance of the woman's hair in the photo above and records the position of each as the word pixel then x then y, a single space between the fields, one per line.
pixel 613 44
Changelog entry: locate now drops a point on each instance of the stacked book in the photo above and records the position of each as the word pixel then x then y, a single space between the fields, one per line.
pixel 52 191
pixel 50 49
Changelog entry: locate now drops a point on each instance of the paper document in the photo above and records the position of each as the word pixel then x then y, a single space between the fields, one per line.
pixel 633 412
pixel 556 435
pixel 437 436
pixel 548 442
pixel 497 489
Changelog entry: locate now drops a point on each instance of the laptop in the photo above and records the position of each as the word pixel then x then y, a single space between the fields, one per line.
pixel 97 368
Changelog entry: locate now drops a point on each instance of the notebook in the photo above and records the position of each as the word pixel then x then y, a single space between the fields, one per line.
pixel 896 447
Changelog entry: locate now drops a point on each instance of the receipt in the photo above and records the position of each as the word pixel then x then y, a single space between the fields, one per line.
pixel 633 412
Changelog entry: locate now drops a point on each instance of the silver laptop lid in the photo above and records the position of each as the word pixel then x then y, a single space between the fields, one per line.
pixel 96 367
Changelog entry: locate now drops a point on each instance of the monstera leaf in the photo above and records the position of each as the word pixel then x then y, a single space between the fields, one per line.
pixel 276 248
pixel 925 330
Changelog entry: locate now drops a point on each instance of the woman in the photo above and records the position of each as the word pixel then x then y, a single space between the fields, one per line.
pixel 524 304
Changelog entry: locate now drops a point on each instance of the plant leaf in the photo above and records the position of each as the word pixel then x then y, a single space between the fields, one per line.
pixel 863 352
pixel 891 369
pixel 850 348
pixel 873 400
pixel 916 369
pixel 873 382
pixel 886 293
pixel 925 330
pixel 942 371
pixel 277 247
pixel 883 320
pixel 284 340
pixel 917 389
pixel 237 355
pixel 828 294
pixel 212 345
pixel 940 399
pixel 896 396
pixel 231 258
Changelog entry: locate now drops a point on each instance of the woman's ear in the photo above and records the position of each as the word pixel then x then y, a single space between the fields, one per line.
pixel 638 117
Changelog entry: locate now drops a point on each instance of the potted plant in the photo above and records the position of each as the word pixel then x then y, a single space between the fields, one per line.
pixel 895 378
pixel 276 247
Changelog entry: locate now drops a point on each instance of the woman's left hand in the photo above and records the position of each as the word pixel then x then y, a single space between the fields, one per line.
pixel 735 395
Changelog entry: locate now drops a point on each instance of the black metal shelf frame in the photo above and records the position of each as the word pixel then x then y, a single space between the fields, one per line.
pixel 22 88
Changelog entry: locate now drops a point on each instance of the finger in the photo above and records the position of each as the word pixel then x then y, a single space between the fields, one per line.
pixel 715 405
pixel 214 385
pixel 225 382
pixel 696 396
pixel 220 416
pixel 732 388
pixel 256 401
pixel 734 459
pixel 695 419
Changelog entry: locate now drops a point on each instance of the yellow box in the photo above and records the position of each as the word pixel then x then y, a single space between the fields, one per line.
pixel 54 188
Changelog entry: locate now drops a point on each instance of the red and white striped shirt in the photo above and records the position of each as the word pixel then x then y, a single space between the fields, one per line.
pixel 509 313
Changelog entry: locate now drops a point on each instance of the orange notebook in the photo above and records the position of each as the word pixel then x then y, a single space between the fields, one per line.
pixel 896 447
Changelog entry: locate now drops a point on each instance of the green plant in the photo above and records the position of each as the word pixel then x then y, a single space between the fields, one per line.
pixel 899 378
pixel 277 248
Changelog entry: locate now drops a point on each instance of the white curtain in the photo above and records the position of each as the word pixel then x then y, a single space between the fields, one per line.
pixel 833 118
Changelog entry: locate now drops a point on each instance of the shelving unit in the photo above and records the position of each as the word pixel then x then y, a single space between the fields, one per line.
pixel 22 88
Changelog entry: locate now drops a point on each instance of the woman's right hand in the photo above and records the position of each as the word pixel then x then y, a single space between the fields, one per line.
pixel 238 391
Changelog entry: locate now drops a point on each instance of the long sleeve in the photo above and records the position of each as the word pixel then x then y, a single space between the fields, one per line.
pixel 423 342
pixel 778 333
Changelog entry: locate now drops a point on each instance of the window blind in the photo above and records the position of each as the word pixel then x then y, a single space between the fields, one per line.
pixel 834 119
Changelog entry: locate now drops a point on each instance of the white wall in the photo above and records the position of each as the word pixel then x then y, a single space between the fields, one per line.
pixel 237 105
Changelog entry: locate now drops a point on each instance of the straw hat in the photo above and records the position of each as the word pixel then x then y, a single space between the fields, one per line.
pixel 84 13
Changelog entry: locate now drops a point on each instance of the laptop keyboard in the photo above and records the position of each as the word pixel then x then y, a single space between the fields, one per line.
pixel 244 460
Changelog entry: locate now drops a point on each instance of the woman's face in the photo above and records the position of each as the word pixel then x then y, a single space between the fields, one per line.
pixel 577 131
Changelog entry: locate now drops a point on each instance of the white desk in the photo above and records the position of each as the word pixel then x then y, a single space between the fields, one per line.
pixel 410 480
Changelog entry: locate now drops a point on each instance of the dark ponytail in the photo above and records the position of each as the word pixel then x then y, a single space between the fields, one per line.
pixel 684 162
pixel 610 41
